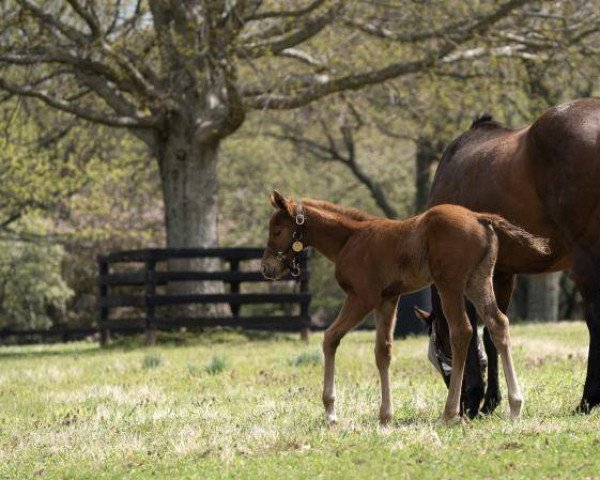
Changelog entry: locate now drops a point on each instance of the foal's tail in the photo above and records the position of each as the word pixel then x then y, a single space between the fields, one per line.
pixel 510 232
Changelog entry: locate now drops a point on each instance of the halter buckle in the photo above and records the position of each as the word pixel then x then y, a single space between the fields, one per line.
pixel 295 270
pixel 300 219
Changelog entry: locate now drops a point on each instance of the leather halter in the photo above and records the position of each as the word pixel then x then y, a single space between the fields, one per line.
pixel 296 246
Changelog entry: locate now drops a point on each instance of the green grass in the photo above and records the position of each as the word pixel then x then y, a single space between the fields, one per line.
pixel 75 411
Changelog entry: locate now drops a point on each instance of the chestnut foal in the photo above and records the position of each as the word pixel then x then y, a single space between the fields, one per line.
pixel 378 259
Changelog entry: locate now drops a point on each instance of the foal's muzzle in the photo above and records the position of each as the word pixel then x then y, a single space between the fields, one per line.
pixel 272 270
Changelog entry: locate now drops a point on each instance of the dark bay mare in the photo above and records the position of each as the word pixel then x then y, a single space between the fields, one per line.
pixel 545 178
pixel 377 260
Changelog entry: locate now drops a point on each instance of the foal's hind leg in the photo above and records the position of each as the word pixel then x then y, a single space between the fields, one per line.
pixel 481 293
pixel 385 319
pixel 504 284
pixel 460 335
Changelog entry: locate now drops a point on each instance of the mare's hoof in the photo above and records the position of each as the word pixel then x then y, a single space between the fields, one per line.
pixel 585 407
pixel 332 420
pixel 490 404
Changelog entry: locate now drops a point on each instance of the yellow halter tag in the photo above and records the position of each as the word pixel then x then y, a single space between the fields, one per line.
pixel 297 246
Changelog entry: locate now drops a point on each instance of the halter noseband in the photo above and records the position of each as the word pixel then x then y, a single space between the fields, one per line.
pixel 296 246
pixel 441 361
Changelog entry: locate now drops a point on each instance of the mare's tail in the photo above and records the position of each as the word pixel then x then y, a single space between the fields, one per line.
pixel 507 231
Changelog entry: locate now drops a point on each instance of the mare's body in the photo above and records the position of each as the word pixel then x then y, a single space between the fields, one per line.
pixel 546 179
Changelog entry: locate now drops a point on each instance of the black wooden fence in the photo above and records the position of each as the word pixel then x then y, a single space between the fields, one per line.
pixel 150 272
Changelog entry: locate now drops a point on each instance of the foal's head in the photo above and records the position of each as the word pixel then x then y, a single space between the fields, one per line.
pixel 285 238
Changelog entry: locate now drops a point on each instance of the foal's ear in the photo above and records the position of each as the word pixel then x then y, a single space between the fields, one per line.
pixel 422 315
pixel 278 201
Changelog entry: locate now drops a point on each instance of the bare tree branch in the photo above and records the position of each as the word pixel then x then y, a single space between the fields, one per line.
pixel 285 13
pixel 310 28
pixel 269 100
pixel 89 19
pixel 87 114
pixel 48 19
pixel 331 152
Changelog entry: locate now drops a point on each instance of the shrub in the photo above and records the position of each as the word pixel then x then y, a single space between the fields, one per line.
pixel 313 357
pixel 216 365
pixel 152 360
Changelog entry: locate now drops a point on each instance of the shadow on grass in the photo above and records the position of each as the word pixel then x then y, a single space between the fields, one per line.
pixel 8 352
pixel 204 337
pixel 211 336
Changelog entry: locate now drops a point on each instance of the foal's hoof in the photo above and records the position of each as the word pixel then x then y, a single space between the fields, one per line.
pixel 516 405
pixel 385 421
pixel 449 420
pixel 332 420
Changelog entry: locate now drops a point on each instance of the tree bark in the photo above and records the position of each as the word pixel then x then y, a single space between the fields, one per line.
pixel 188 170
pixel 190 191
pixel 543 297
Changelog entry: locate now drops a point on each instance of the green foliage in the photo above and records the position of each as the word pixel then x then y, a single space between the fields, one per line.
pixel 33 293
pixel 77 411
pixel 102 192
pixel 217 364
pixel 152 360
pixel 39 168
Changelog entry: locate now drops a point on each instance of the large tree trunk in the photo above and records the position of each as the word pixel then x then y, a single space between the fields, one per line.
pixel 543 297
pixel 424 158
pixel 188 171
pixel 190 191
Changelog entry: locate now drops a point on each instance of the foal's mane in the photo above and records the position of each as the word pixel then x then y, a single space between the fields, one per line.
pixel 347 213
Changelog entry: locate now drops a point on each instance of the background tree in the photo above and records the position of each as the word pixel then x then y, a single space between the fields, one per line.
pixel 181 76
pixel 158 75
pixel 512 75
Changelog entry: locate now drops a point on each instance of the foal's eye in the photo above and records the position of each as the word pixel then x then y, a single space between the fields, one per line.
pixel 276 233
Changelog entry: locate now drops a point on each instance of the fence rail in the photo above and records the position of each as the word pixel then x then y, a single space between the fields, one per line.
pixel 149 299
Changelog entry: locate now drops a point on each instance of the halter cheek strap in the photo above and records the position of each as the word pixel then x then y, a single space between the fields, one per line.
pixel 296 245
pixel 440 361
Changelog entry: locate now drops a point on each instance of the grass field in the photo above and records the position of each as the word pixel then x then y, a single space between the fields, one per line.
pixel 225 406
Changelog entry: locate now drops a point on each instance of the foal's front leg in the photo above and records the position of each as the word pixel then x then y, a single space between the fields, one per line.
pixel 351 314
pixel 385 320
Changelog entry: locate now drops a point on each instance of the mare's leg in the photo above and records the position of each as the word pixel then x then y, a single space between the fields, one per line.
pixel 481 293
pixel 460 335
pixel 385 319
pixel 586 273
pixel 504 284
pixel 351 314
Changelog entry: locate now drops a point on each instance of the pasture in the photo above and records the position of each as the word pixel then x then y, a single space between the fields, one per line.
pixel 228 406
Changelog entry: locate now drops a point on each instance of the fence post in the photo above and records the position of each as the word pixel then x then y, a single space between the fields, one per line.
pixel 305 330
pixel 103 270
pixel 234 287
pixel 150 308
